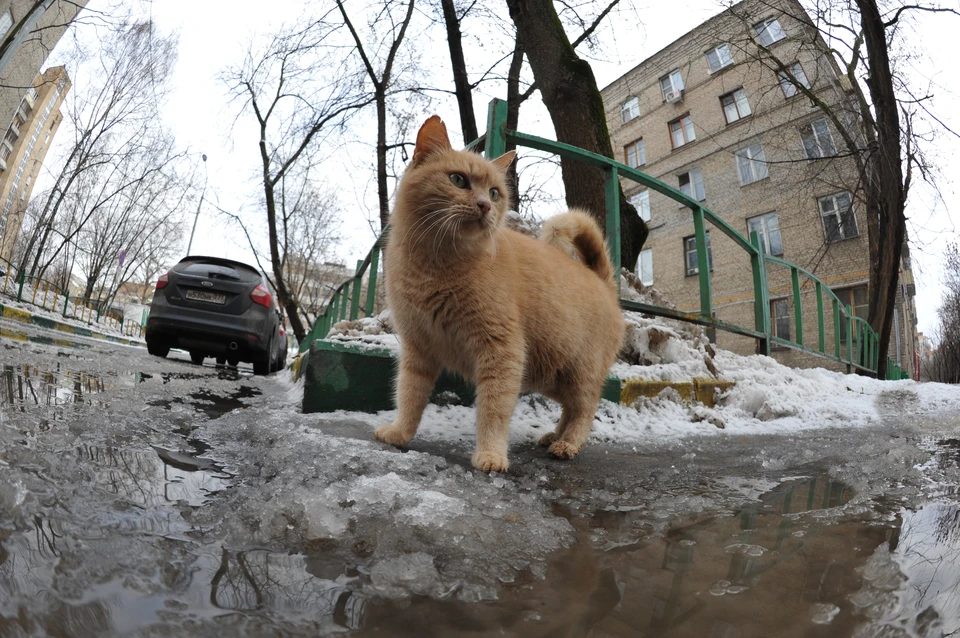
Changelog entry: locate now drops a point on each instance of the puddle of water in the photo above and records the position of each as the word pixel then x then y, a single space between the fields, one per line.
pixel 27 385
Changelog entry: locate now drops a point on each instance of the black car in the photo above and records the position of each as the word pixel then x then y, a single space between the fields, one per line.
pixel 214 307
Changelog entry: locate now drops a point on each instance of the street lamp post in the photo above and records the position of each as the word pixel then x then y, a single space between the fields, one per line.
pixel 202 193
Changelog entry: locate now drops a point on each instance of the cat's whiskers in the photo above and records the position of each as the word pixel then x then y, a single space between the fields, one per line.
pixel 434 217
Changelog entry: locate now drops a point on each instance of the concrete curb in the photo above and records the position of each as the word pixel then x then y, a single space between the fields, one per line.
pixel 701 390
pixel 23 316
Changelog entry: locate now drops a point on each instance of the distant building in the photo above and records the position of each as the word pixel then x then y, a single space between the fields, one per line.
pixel 707 117
pixel 23 149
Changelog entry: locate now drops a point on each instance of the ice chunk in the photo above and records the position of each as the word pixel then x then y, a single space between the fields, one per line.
pixel 412 574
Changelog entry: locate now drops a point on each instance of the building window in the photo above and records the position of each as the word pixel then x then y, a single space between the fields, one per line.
pixel 751 164
pixel 635 154
pixel 718 58
pixel 641 201
pixel 6 21
pixel 671 85
pixel 629 110
pixel 681 131
pixel 769 31
pixel 858 301
pixel 645 267
pixel 768 227
pixel 817 140
pixel 735 105
pixel 691 184
pixel 780 318
pixel 690 254
pixel 790 87
pixel 839 222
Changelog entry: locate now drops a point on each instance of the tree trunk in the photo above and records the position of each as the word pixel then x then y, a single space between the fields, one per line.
pixel 570 94
pixel 884 188
pixel 468 120
pixel 382 196
pixel 283 295
pixel 513 119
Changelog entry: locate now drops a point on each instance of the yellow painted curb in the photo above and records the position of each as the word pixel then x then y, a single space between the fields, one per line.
pixel 702 391
pixel 65 327
pixel 16 314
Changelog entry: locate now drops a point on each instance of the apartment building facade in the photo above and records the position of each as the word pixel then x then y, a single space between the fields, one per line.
pixel 714 118
pixel 23 148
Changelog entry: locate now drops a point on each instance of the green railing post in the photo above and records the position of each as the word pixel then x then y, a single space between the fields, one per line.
pixel 761 294
pixel 821 340
pixel 611 184
pixel 23 277
pixel 372 280
pixel 344 297
pixel 496 143
pixel 355 299
pixel 836 327
pixel 797 305
pixel 703 264
pixel 66 300
pixel 849 338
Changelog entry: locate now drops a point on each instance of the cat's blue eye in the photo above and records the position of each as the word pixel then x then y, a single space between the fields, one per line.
pixel 494 194
pixel 459 180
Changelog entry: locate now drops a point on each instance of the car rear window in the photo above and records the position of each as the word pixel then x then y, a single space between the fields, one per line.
pixel 218 270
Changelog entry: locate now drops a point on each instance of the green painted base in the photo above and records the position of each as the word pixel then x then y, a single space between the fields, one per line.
pixel 340 377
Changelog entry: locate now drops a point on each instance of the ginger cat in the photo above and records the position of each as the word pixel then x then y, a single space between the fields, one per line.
pixel 503 310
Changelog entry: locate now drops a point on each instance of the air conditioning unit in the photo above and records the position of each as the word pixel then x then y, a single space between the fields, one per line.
pixel 674 96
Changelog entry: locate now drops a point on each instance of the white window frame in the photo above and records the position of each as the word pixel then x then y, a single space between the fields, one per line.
pixel 641 201
pixel 645 267
pixel 817 143
pixel 844 221
pixel 691 264
pixel 751 164
pixel 787 85
pixel 769 31
pixel 684 126
pixel 638 150
pixel 630 110
pixel 694 186
pixel 738 100
pixel 721 53
pixel 767 227
pixel 673 81
pixel 6 22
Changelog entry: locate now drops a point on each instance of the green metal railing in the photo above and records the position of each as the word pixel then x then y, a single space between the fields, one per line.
pixel 344 302
pixel 857 349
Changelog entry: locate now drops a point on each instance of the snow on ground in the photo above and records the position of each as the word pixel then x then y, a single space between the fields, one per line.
pixel 767 397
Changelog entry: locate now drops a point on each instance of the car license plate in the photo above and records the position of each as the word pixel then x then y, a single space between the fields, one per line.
pixel 209 297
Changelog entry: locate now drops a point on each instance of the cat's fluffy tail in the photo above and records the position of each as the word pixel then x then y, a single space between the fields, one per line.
pixel 577 234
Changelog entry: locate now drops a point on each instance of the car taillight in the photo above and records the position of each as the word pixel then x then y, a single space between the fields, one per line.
pixel 261 296
pixel 162 282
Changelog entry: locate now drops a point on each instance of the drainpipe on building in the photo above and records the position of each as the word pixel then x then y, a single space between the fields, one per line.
pixel 20 32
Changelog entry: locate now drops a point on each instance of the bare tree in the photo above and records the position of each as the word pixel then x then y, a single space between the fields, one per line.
pixel 378 53
pixel 298 90
pixel 111 119
pixel 875 119
pixel 944 365
pixel 570 94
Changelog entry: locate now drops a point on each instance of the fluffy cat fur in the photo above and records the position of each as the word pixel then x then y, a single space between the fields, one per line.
pixel 503 310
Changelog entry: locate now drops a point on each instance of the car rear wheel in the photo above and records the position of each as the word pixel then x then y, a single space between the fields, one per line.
pixel 197 357
pixel 264 365
pixel 157 349
pixel 233 362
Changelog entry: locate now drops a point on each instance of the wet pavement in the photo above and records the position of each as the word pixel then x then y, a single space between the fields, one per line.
pixel 151 497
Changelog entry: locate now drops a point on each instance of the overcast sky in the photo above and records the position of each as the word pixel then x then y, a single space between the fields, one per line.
pixel 214 34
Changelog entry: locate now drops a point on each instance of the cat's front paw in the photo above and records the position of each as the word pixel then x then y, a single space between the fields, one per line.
pixel 548 438
pixel 391 434
pixel 563 450
pixel 490 462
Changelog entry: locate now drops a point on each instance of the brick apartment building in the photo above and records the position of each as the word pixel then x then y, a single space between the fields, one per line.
pixel 23 148
pixel 708 116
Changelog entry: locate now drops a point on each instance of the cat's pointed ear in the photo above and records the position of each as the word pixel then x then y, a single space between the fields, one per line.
pixel 503 162
pixel 431 139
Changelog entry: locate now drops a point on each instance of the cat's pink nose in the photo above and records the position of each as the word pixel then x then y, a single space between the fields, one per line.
pixel 484 205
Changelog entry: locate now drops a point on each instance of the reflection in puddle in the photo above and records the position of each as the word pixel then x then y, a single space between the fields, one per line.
pixel 27 385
